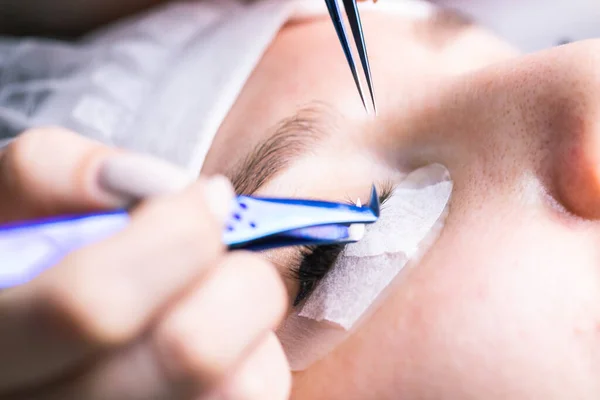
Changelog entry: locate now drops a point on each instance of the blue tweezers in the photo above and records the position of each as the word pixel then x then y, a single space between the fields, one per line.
pixel 28 249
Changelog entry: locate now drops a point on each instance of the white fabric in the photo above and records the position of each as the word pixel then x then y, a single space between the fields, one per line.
pixel 159 83
pixel 533 25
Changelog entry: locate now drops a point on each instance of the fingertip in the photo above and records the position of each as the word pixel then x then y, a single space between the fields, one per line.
pixel 262 276
pixel 219 196
pixel 264 374
pixel 218 324
pixel 138 176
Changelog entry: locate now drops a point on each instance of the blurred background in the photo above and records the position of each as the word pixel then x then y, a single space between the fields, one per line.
pixel 529 24
pixel 532 25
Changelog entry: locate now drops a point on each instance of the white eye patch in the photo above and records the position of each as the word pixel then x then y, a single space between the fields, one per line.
pixel 365 269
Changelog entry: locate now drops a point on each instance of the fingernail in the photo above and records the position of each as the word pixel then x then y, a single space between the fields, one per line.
pixel 219 196
pixel 135 177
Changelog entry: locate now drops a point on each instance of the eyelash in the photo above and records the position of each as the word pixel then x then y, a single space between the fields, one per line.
pixel 316 261
pixel 314 265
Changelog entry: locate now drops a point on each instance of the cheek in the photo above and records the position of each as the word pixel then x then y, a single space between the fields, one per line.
pixel 494 311
pixel 511 317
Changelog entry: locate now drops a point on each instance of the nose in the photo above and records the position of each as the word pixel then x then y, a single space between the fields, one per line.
pixel 576 130
pixel 538 115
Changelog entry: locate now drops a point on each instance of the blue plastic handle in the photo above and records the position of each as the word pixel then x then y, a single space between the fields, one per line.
pixel 27 250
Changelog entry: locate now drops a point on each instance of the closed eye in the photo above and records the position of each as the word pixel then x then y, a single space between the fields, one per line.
pixel 316 261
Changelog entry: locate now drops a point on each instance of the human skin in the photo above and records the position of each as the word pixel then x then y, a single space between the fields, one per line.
pixel 63 336
pixel 506 303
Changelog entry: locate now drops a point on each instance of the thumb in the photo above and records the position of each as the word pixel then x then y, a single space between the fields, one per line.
pixel 51 171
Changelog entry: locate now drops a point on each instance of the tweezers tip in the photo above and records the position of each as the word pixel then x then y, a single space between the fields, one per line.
pixel 375 110
pixel 374 202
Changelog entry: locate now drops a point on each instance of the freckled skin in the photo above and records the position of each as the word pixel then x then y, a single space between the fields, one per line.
pixel 506 304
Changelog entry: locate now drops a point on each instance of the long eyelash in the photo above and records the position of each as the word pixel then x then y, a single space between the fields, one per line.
pixel 316 261
pixel 386 189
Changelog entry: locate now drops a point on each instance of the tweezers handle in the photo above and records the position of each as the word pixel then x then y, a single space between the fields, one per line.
pixel 28 250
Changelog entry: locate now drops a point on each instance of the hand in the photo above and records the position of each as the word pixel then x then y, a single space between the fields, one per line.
pixel 159 311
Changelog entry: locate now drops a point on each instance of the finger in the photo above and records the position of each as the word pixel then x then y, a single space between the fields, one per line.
pixel 265 374
pixel 106 294
pixel 49 171
pixel 52 171
pixel 212 330
pixel 207 333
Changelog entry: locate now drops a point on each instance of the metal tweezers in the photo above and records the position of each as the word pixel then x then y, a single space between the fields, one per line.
pixel 353 15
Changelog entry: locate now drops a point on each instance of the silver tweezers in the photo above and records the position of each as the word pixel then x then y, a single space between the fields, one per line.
pixel 353 15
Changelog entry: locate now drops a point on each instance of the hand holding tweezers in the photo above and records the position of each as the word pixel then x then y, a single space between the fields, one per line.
pixel 352 13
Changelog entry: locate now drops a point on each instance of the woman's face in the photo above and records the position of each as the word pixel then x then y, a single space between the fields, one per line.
pixel 506 302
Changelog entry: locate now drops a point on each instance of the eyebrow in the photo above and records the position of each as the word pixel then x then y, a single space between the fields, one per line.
pixel 292 138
